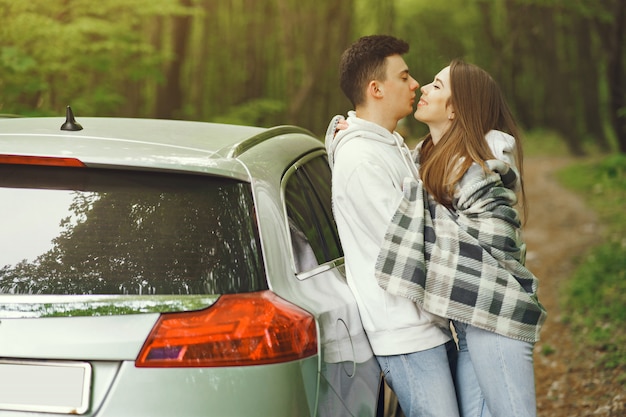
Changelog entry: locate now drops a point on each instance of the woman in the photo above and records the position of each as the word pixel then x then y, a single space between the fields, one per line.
pixel 467 116
pixel 460 254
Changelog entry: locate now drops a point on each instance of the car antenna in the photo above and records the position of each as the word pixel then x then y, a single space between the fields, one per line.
pixel 70 122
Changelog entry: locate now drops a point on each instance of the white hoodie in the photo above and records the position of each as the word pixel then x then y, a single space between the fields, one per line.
pixel 503 148
pixel 369 165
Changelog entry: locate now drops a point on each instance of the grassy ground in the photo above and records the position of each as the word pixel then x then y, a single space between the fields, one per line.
pixel 596 296
pixel 595 300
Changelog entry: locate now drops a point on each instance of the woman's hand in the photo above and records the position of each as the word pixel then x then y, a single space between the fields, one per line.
pixel 336 124
pixel 341 125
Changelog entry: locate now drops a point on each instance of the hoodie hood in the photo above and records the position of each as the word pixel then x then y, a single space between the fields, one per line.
pixel 503 147
pixel 357 128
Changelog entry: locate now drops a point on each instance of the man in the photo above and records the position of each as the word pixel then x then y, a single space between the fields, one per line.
pixel 370 161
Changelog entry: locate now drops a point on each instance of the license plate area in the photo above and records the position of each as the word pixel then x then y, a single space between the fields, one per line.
pixel 43 386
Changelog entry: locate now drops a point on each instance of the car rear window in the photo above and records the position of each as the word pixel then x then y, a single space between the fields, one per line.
pixel 99 231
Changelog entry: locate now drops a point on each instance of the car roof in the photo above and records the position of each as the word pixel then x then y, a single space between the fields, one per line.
pixel 154 144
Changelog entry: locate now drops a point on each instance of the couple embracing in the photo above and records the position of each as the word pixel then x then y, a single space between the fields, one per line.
pixel 431 236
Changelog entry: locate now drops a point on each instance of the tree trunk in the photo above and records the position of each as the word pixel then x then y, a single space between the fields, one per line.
pixel 512 53
pixel 551 53
pixel 313 75
pixel 170 97
pixel 617 78
pixel 588 59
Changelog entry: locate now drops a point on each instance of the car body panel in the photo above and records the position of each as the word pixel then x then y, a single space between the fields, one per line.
pixel 87 338
pixel 346 349
pixel 232 391
pixel 139 143
pixel 342 380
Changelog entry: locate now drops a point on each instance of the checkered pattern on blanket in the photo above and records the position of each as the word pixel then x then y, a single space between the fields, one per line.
pixel 468 264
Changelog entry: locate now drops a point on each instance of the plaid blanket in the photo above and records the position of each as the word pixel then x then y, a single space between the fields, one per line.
pixel 466 264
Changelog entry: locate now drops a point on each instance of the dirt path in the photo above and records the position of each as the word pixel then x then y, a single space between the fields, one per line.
pixel 559 231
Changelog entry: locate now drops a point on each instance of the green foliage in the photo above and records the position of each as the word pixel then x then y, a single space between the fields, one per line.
pixel 604 186
pixel 421 20
pixel 56 53
pixel 544 142
pixel 547 350
pixel 596 296
pixel 193 59
pixel 261 112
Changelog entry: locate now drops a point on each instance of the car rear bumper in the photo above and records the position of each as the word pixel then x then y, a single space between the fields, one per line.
pixel 121 389
pixel 268 390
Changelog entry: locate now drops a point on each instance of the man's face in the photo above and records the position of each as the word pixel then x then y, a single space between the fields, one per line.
pixel 398 88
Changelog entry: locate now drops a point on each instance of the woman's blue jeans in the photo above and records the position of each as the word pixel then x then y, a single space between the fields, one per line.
pixel 423 381
pixel 495 374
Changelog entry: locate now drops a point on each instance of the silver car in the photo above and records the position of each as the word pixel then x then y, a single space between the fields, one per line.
pixel 172 268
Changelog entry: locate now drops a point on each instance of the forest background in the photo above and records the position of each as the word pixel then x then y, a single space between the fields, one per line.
pixel 561 63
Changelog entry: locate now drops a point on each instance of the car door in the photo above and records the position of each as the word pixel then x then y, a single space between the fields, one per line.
pixel 350 373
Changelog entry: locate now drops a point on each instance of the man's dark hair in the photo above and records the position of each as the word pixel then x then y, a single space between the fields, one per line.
pixel 364 61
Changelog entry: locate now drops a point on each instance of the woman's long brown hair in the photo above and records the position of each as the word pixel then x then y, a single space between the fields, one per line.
pixel 479 106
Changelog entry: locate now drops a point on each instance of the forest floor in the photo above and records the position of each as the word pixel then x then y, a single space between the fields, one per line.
pixel 559 231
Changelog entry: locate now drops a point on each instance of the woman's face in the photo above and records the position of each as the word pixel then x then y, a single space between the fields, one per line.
pixel 433 108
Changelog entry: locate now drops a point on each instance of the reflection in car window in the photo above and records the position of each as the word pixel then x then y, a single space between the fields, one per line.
pixel 308 201
pixel 91 231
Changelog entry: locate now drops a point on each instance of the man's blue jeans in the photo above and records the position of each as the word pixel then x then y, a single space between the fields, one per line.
pixel 423 381
pixel 495 374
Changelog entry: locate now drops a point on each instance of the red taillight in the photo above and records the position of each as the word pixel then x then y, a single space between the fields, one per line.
pixel 40 160
pixel 238 330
